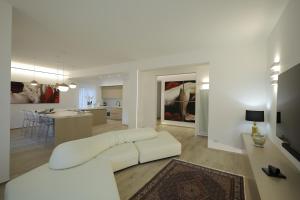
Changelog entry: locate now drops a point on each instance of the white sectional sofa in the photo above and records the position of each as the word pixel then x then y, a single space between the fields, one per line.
pixel 83 169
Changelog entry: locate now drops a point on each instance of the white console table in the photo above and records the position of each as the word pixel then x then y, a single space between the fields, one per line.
pixel 272 188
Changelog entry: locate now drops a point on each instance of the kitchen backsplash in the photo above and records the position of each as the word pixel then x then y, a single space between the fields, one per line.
pixel 113 102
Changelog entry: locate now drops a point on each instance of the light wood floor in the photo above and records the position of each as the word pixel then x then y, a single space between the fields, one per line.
pixel 194 149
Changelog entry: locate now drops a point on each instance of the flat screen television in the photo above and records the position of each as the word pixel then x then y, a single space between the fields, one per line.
pixel 288 110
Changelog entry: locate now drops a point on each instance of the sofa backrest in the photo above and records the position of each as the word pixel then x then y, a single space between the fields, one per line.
pixel 77 152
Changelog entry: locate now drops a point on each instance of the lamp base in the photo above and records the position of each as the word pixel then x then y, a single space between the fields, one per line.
pixel 254 130
pixel 259 140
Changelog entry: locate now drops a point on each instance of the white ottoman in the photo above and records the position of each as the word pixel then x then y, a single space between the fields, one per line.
pixel 163 146
pixel 121 156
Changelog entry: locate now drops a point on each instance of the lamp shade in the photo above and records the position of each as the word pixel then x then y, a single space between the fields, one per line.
pixel 255 116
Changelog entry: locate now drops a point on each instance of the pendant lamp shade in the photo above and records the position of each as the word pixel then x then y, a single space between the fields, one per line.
pixel 72 85
pixel 34 83
pixel 63 87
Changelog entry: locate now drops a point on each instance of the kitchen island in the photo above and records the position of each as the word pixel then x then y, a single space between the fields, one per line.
pixel 71 125
pixel 99 115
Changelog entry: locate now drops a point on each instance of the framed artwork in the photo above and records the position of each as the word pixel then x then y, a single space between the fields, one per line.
pixel 180 100
pixel 24 93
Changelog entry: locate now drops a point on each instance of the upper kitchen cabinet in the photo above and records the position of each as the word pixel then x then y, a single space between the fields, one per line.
pixel 112 92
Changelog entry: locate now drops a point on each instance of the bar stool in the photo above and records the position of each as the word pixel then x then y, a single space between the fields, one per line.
pixel 46 127
pixel 33 122
pixel 26 122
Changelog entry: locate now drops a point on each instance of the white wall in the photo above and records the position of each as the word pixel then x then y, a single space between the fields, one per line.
pixel 68 100
pixel 5 54
pixel 284 42
pixel 238 81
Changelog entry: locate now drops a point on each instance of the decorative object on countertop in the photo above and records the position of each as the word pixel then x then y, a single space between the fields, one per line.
pixel 259 140
pixel 273 172
pixel 254 116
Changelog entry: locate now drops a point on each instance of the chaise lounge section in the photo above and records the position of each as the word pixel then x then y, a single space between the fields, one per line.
pixel 83 169
pixel 162 146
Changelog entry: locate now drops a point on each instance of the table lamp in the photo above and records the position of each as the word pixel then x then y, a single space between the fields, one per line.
pixel 254 116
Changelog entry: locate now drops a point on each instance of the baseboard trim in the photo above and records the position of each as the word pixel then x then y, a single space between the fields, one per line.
pixel 175 123
pixel 219 146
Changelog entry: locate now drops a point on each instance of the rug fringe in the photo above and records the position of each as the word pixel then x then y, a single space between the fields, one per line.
pixel 210 167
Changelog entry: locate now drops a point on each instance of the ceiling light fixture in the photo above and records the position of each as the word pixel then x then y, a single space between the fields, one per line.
pixel 34 82
pixel 275 71
pixel 62 86
pixel 57 77
pixel 72 85
pixel 274 82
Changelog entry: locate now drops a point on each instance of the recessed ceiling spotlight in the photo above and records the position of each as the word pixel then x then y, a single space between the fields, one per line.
pixel 277 59
pixel 274 77
pixel 274 82
pixel 275 67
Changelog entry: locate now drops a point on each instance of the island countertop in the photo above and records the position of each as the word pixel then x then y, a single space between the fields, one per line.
pixel 94 108
pixel 67 114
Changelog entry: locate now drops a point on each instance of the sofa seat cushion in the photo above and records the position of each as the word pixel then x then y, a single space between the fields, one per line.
pixel 121 156
pixel 163 146
pixel 93 180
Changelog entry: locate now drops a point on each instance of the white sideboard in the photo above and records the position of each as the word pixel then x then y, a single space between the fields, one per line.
pixel 271 188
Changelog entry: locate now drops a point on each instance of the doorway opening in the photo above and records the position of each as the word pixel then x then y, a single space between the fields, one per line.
pixel 177 99
pixel 171 96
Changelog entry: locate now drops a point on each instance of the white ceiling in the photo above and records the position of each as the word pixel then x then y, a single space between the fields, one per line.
pixel 91 33
pixel 103 80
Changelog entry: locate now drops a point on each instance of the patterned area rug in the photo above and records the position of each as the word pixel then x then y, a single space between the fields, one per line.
pixel 186 181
